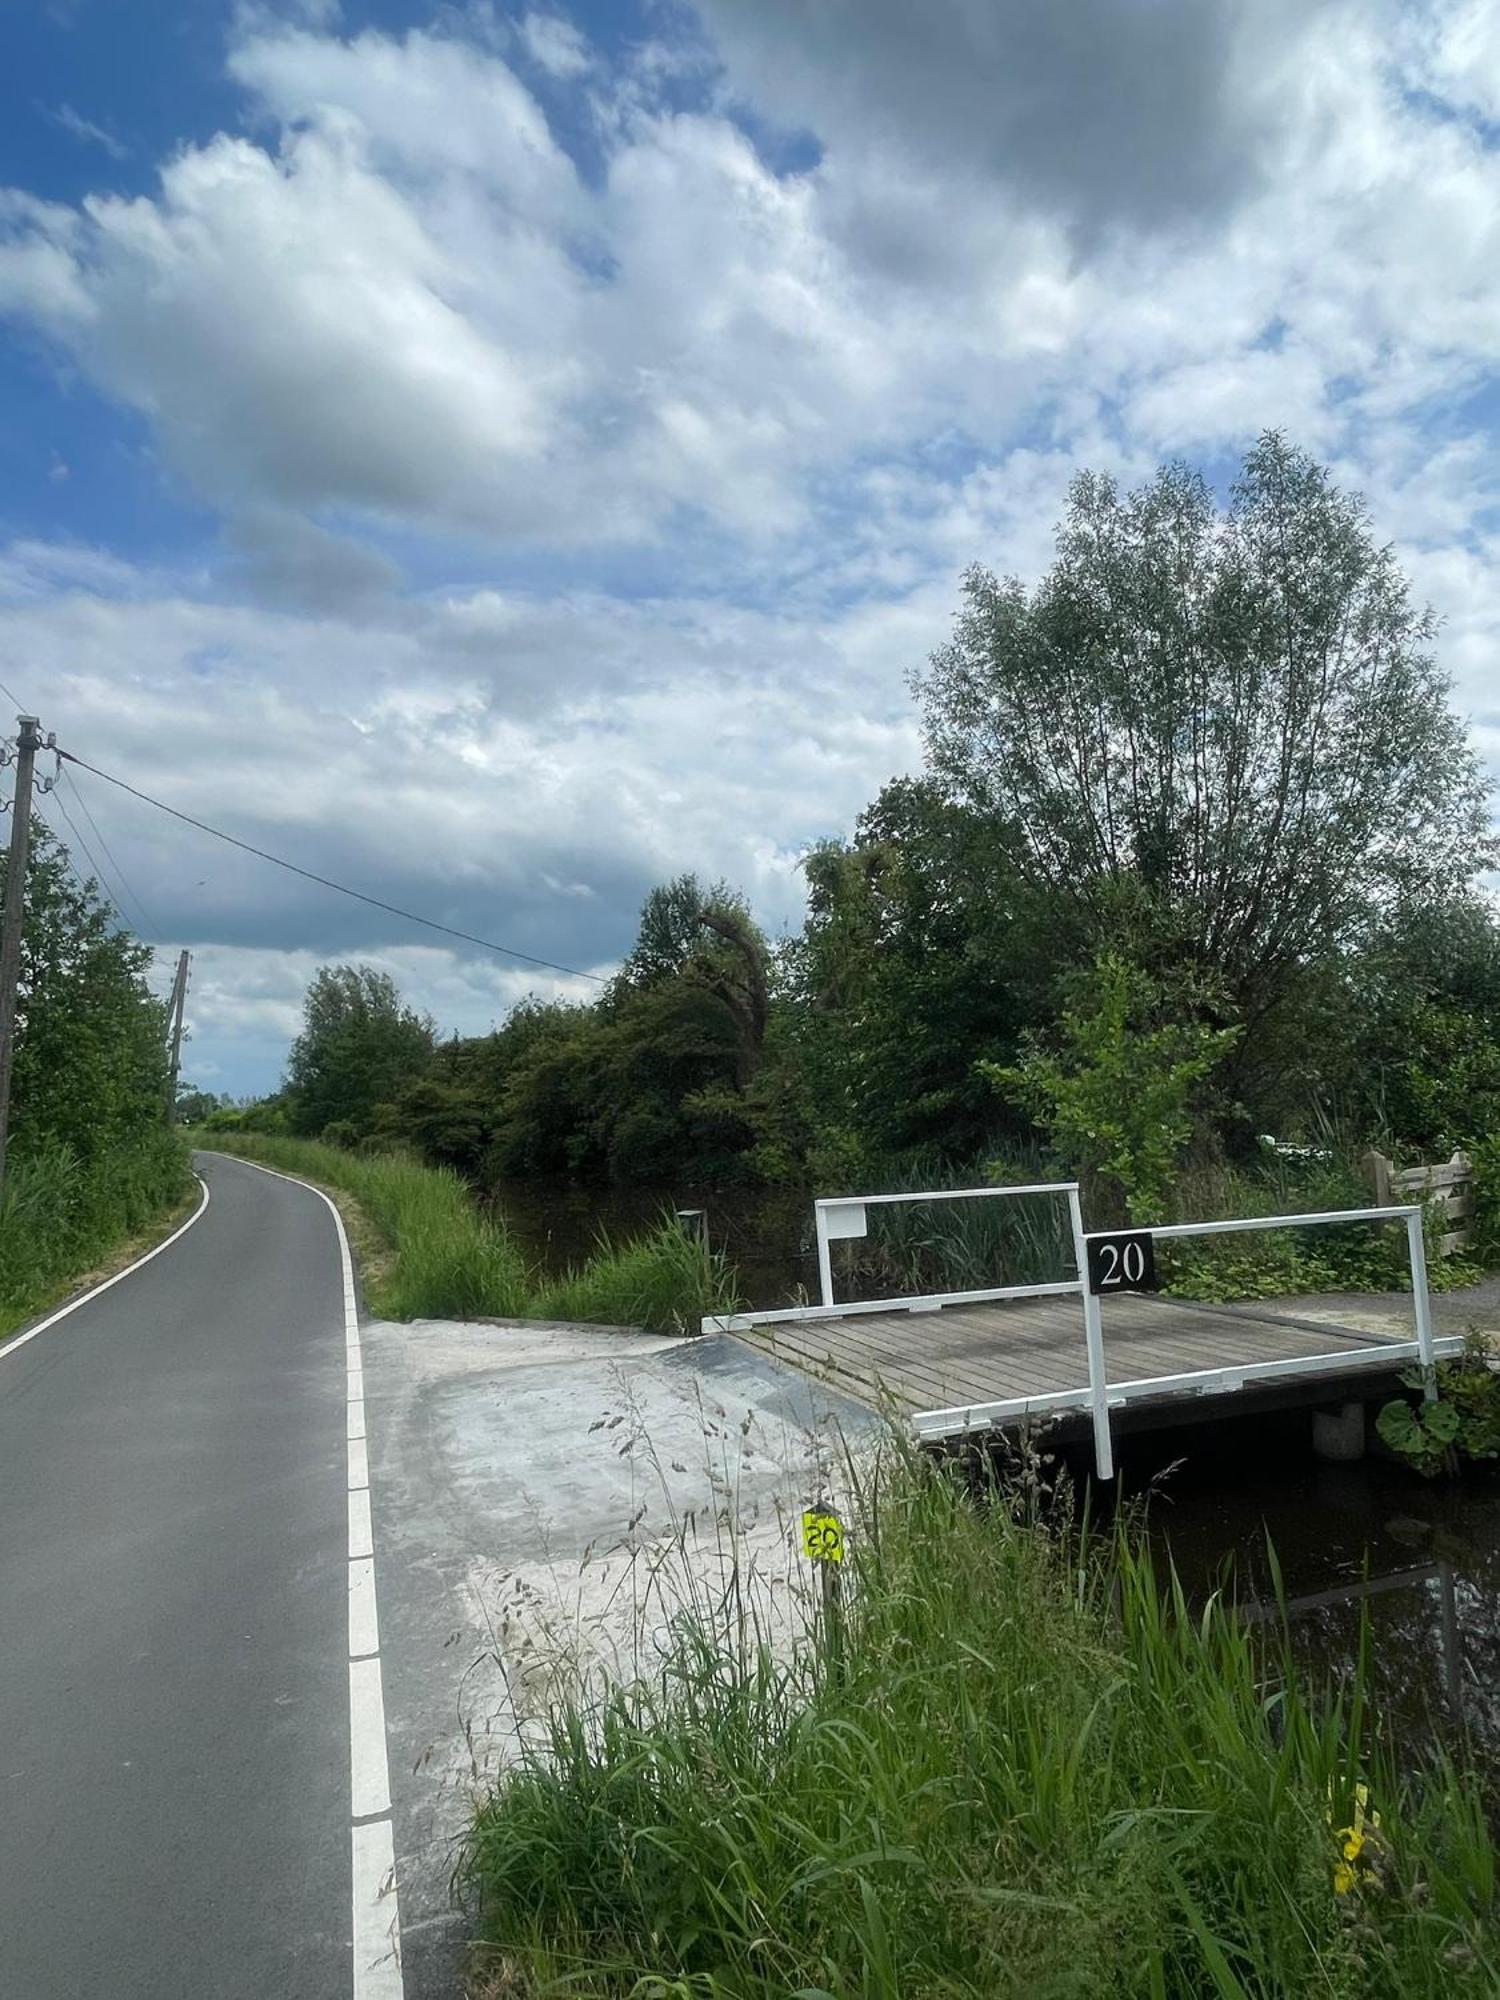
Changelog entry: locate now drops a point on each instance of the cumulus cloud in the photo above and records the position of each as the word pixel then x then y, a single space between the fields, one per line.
pixel 595 454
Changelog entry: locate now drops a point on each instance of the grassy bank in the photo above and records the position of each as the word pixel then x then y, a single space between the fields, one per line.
pixel 61 1219
pixel 1025 1770
pixel 449 1260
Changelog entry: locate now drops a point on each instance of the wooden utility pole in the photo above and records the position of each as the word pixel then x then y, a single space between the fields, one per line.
pixel 14 914
pixel 179 1001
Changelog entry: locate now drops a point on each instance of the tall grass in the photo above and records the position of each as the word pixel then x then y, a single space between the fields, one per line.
pixel 452 1261
pixel 60 1215
pixel 665 1277
pixel 1015 1766
pixel 934 1246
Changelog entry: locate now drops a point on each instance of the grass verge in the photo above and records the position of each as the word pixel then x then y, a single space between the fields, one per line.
pixel 448 1260
pixel 1016 1766
pixel 65 1223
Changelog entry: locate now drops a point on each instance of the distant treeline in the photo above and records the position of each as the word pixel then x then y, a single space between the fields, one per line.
pixel 1196 856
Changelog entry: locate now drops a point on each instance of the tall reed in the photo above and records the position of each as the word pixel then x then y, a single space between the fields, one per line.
pixel 1025 1767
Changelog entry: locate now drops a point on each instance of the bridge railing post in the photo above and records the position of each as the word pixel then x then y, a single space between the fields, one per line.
pixel 1093 1336
pixel 1416 1249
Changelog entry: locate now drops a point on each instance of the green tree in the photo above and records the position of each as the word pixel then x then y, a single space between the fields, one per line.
pixel 1230 719
pixel 1115 1095
pixel 360 1044
pixel 90 1066
pixel 923 950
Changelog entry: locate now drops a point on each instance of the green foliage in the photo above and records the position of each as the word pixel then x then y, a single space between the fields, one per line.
pixel 1424 1434
pixel 1115 1101
pixel 1462 1424
pixel 1019 1765
pixel 90 1066
pixel 91 1161
pixel 359 1045
pixel 265 1114
pixel 668 1280
pixel 193 1106
pixel 659 1080
pixel 1193 859
pixel 60 1215
pixel 1485 1154
pixel 452 1260
pixel 1235 715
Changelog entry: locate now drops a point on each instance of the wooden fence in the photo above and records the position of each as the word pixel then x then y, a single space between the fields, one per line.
pixel 1449 1183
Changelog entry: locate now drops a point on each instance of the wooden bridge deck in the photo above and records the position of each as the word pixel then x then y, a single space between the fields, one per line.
pixel 956 1356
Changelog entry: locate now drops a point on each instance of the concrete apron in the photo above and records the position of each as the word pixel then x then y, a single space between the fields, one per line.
pixel 545 1498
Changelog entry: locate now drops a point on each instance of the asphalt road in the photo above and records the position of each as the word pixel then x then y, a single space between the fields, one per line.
pixel 174 1678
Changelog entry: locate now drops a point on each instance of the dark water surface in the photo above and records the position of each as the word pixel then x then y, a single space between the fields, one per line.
pixel 1420 1559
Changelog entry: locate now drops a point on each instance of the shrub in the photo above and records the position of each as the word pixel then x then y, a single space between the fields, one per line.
pixel 1116 1101
pixel 59 1214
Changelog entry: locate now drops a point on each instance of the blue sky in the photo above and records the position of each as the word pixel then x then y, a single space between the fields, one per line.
pixel 504 456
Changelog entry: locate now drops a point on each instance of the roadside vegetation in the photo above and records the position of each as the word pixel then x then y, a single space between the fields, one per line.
pixel 1188 902
pixel 450 1260
pixel 1018 1764
pixel 92 1164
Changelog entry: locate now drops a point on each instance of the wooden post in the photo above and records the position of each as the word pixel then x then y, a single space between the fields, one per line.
pixel 1378 1171
pixel 14 914
pixel 174 1034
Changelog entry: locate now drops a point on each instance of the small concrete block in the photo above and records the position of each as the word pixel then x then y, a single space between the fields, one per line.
pixel 1339 1435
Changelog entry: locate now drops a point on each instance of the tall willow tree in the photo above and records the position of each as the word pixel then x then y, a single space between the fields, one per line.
pixel 1226 722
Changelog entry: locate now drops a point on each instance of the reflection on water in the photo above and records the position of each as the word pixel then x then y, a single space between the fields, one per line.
pixel 1421 1561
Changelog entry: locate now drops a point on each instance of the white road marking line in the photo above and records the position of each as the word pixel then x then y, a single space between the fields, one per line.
pixel 377 1926
pixel 361 1533
pixel 14 1346
pixel 369 1782
pixel 376 1910
pixel 364 1621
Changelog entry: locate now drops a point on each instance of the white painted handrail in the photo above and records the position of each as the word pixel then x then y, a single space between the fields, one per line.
pixel 854 1205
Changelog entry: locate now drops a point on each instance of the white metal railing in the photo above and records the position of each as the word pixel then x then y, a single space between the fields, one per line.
pixel 841 1217
pixel 1101 1396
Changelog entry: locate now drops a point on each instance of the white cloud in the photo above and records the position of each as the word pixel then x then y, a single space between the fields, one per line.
pixel 684 449
pixel 555 45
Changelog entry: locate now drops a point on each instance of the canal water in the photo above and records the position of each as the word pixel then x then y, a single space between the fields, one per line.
pixel 1418 1559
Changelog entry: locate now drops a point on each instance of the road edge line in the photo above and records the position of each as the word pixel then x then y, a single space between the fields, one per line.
pixel 375 1904
pixel 17 1341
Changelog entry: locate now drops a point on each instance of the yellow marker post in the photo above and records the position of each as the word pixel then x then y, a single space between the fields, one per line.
pixel 822 1536
pixel 823 1544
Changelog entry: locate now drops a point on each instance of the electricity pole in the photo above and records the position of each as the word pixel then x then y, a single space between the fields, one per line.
pixel 178 1002
pixel 14 913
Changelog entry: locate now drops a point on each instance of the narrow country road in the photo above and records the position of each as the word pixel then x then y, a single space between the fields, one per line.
pixel 177 1535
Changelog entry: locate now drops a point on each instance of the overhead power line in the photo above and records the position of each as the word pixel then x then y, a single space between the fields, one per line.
pixel 326 882
pixel 100 879
pixel 141 911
